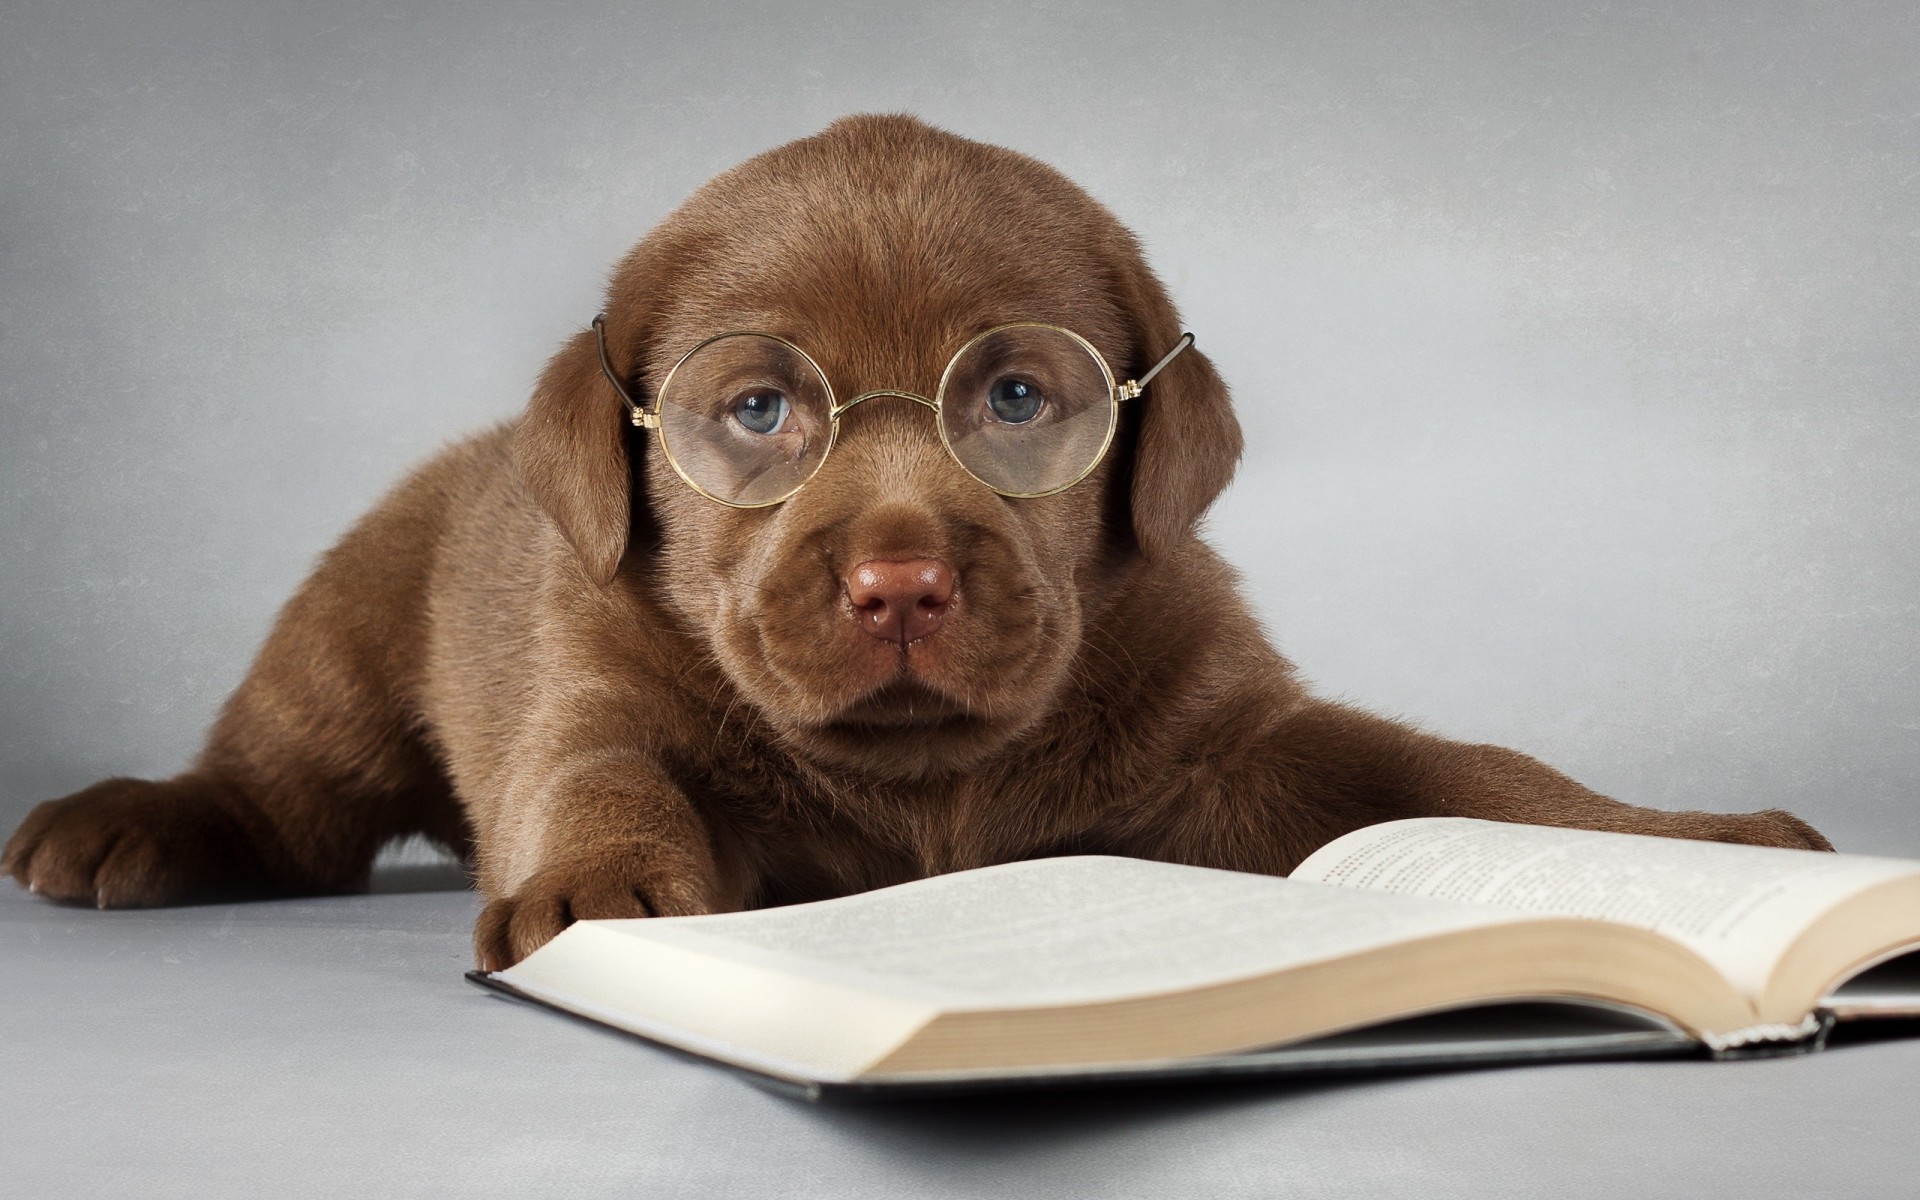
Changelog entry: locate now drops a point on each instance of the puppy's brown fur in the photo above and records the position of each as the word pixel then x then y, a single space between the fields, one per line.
pixel 620 698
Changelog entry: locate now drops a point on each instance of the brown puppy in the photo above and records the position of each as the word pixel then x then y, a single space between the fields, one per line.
pixel 619 697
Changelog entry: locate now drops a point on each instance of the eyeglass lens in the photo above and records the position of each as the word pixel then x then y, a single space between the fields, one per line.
pixel 746 419
pixel 1027 410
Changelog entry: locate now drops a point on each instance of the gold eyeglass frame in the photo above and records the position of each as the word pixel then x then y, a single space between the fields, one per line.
pixel 649 418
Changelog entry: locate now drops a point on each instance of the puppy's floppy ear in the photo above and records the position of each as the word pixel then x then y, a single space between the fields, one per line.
pixel 571 452
pixel 1186 439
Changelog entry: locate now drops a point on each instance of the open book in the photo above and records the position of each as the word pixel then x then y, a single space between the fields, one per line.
pixel 1528 942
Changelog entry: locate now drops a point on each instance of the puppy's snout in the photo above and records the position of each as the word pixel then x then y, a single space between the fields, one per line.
pixel 900 600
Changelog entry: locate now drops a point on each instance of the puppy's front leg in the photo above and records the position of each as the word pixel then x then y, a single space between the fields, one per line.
pixel 595 836
pixel 1367 769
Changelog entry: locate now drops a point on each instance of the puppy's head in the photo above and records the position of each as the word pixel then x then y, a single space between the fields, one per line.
pixel 896 615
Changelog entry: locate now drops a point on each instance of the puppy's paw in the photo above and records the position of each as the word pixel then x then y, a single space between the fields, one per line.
pixel 131 843
pixel 1771 827
pixel 512 927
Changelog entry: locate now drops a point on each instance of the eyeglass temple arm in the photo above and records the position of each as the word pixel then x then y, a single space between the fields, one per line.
pixel 635 413
pixel 1133 387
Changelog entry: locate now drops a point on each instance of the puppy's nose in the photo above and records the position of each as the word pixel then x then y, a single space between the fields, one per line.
pixel 900 600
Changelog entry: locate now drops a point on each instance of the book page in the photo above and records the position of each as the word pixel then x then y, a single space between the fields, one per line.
pixel 1064 930
pixel 1739 907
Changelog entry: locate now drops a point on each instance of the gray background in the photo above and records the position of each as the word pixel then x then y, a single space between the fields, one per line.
pixel 1575 344
pixel 1576 351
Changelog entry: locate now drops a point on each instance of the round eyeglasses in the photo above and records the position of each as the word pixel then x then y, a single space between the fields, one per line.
pixel 746 419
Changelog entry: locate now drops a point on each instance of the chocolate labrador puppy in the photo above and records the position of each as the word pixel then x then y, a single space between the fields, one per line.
pixel 854 545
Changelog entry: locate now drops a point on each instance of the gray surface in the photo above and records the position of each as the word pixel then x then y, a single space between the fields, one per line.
pixel 1576 350
pixel 330 1048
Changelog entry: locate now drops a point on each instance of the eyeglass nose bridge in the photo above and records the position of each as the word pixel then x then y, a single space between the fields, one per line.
pixel 840 410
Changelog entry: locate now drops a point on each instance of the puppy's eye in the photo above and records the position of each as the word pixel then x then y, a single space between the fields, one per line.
pixel 1014 401
pixel 762 412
